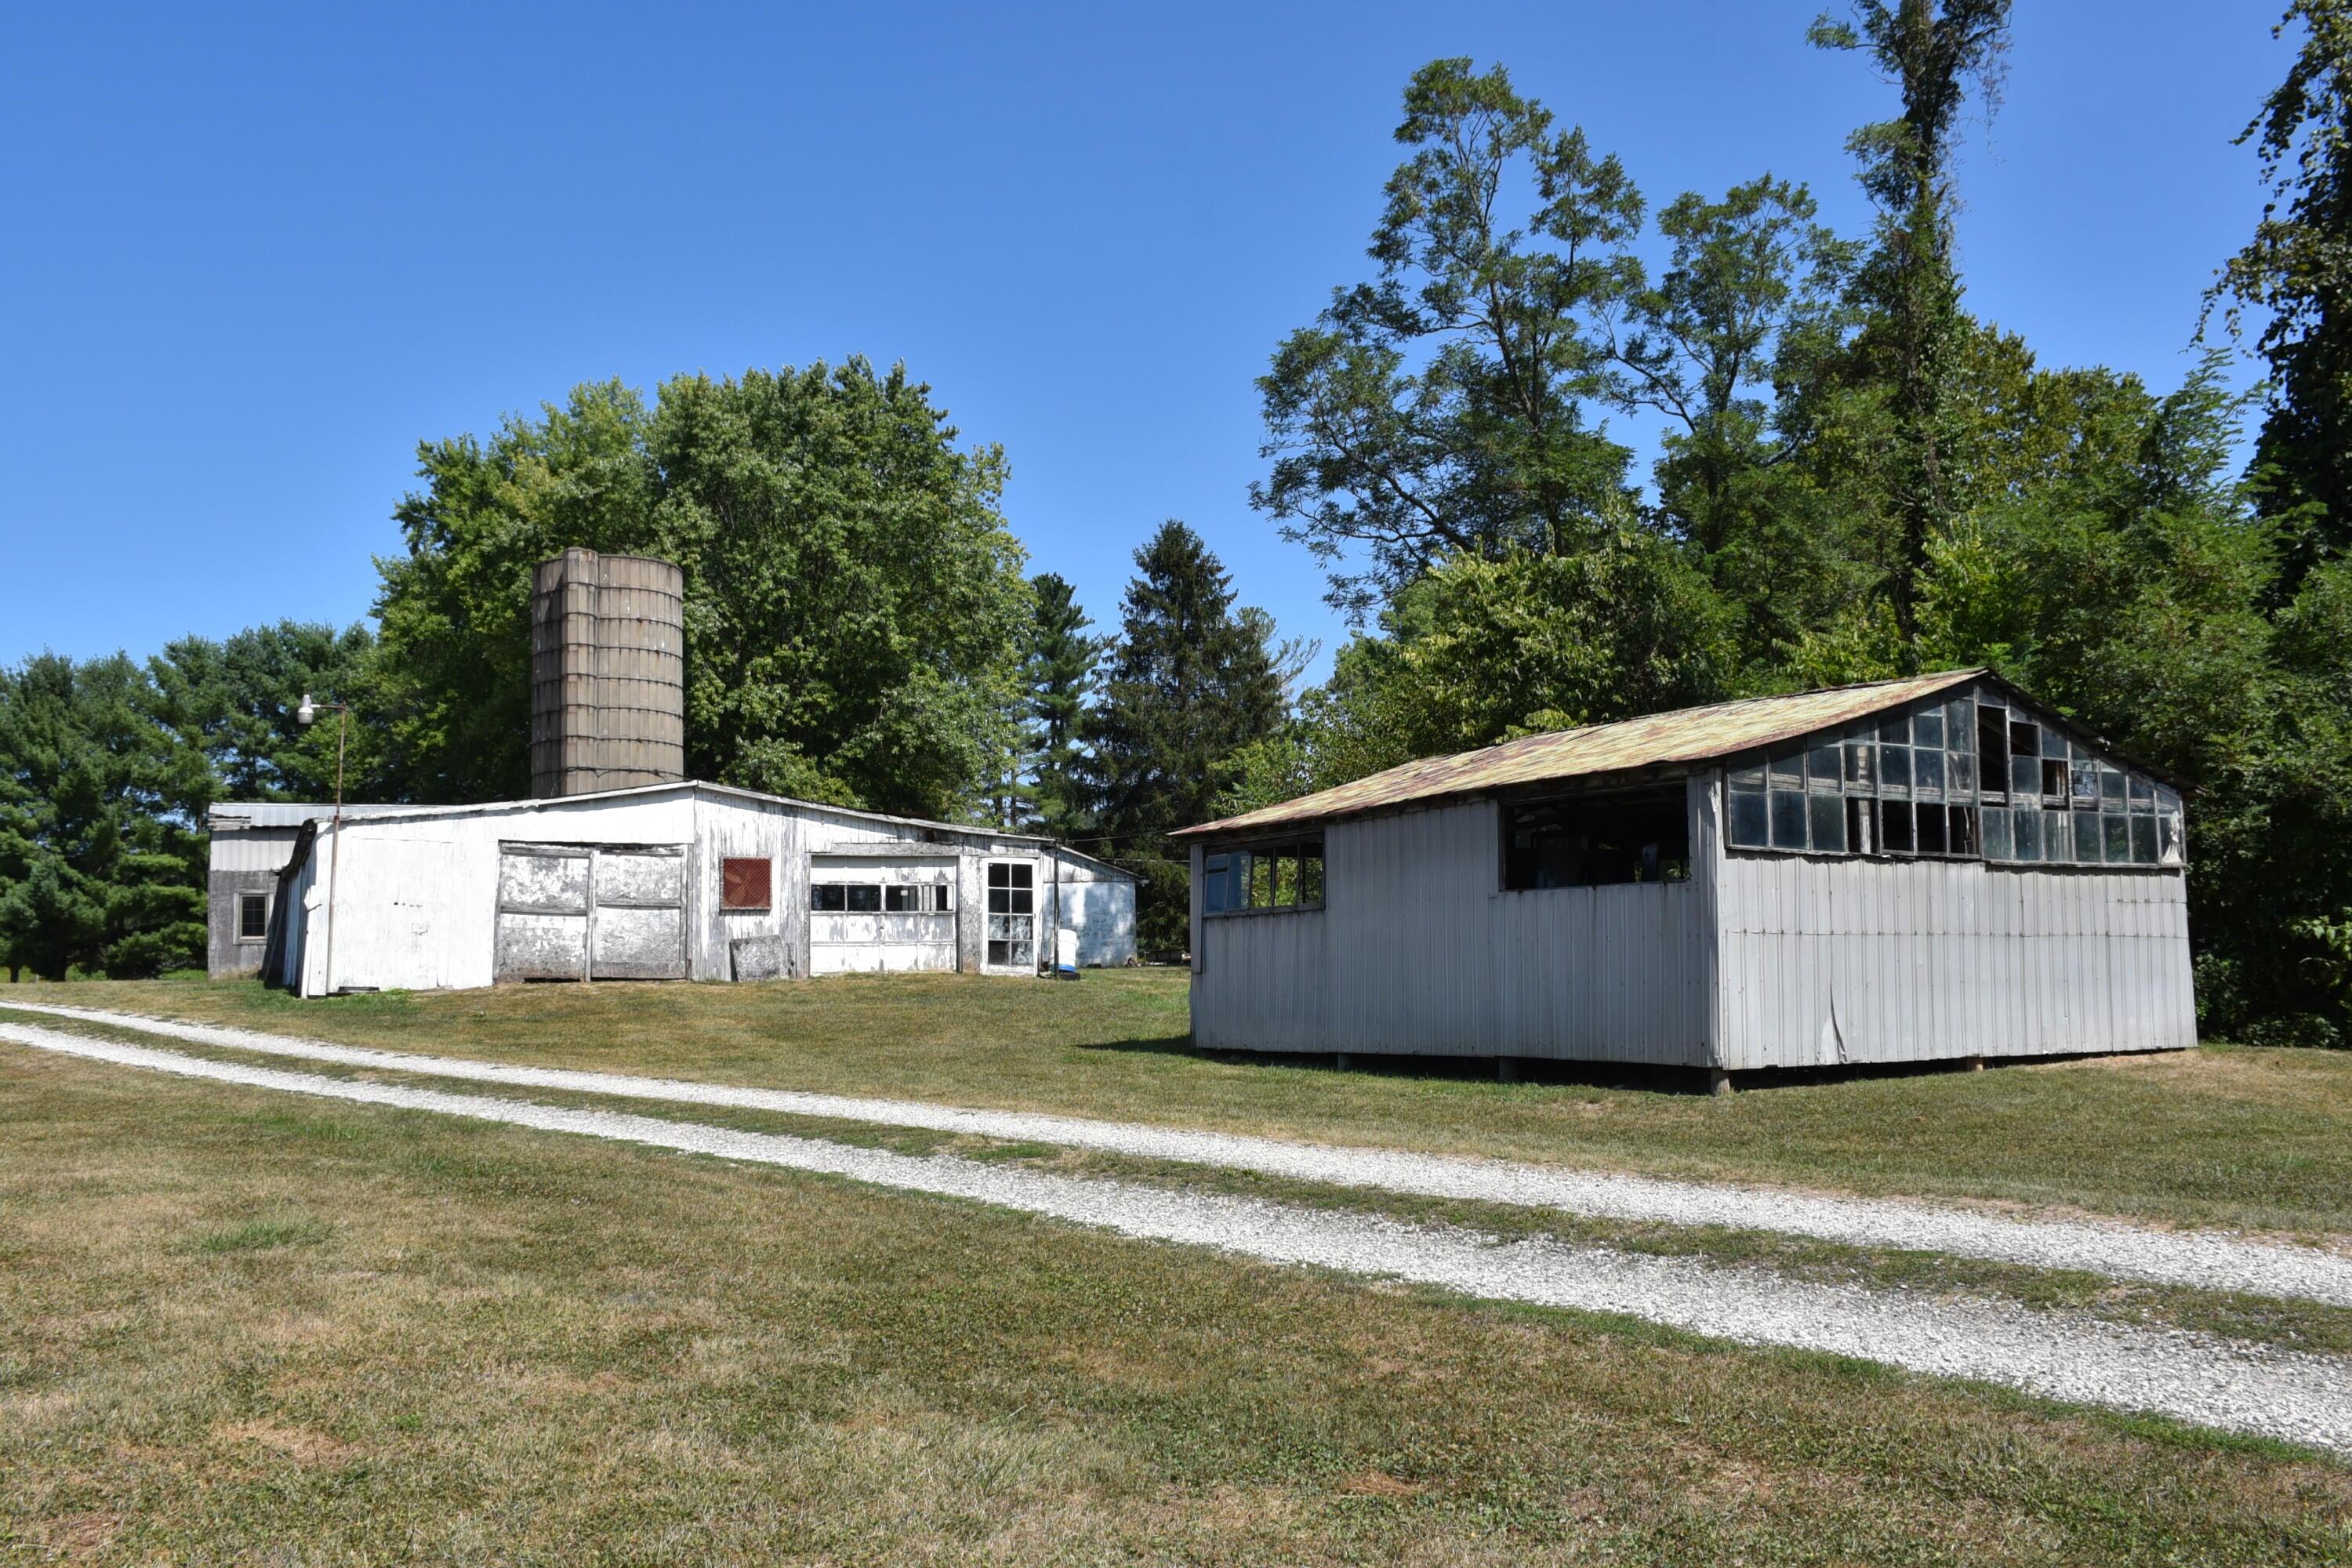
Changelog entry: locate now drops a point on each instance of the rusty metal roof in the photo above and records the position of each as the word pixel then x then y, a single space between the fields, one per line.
pixel 1685 735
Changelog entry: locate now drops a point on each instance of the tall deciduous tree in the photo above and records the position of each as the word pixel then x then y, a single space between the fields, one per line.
pixel 1190 683
pixel 2297 269
pixel 1935 51
pixel 1449 405
pixel 854 602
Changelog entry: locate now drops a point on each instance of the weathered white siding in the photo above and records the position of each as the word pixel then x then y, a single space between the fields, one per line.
pixel 417 894
pixel 1826 960
pixel 1418 950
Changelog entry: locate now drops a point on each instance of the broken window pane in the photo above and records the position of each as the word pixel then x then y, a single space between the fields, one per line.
pixel 1861 825
pixel 1928 771
pixel 1310 880
pixel 1787 820
pixel 1894 827
pixel 2025 738
pixel 1860 766
pixel 1828 813
pixel 1960 772
pixel 1627 835
pixel 1931 828
pixel 1962 834
pixel 1927 729
pixel 1749 829
pixel 1894 767
pixel 2054 780
pixel 2115 838
pixel 1992 751
pixel 1996 833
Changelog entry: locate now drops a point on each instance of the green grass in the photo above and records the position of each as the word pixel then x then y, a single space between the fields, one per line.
pixel 502 1346
pixel 2259 1139
pixel 2288 1324
pixel 256 1235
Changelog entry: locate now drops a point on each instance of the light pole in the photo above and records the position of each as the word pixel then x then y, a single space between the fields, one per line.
pixel 305 715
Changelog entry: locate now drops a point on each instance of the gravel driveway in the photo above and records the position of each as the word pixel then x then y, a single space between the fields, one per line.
pixel 2191 1377
pixel 2203 1259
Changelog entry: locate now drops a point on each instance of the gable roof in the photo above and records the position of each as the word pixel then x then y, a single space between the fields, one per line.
pixel 1687 735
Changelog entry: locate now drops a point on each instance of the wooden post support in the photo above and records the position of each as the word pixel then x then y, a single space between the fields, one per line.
pixel 1974 1064
pixel 1718 1082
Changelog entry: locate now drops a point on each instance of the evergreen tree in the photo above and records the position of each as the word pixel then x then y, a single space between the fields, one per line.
pixel 1191 684
pixel 1058 673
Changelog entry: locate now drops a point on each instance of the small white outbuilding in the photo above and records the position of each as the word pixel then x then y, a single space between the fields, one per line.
pixel 664 881
pixel 1917 870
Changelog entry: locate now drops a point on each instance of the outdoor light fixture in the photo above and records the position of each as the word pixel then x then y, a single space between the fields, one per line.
pixel 305 715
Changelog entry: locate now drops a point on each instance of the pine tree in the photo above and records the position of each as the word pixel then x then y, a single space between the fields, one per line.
pixel 1059 674
pixel 1190 683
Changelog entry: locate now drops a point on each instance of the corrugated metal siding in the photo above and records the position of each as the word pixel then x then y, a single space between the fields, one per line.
pixel 1829 960
pixel 1418 950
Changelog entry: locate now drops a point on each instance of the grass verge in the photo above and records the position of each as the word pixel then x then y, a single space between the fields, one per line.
pixel 2242 1138
pixel 506 1346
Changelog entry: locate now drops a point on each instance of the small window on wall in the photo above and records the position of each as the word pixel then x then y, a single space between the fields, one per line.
pixel 845 898
pixel 252 917
pixel 744 882
pixel 915 898
pixel 1264 877
pixel 1600 840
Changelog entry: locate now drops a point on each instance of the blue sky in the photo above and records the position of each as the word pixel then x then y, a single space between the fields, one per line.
pixel 254 256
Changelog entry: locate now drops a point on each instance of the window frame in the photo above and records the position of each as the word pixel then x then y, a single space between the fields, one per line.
pixel 1676 789
pixel 1275 853
pixel 243 901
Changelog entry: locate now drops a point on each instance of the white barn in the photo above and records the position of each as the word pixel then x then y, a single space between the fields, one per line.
pixel 664 881
pixel 1932 867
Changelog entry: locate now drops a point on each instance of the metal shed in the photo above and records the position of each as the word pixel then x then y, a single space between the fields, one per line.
pixel 1933 867
pixel 673 881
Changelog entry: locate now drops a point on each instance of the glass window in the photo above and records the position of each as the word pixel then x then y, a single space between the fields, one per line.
pixel 1894 767
pixel 252 917
pixel 1824 764
pixel 2143 793
pixel 1789 769
pixel 1787 820
pixel 1996 833
pixel 1960 773
pixel 1927 729
pixel 2053 743
pixel 2115 838
pixel 1860 766
pixel 865 898
pixel 2025 826
pixel 2086 838
pixel 1749 772
pixel 2110 789
pixel 1894 827
pixel 2143 840
pixel 2083 780
pixel 1750 827
pixel 1961 825
pixel 2057 836
pixel 1597 840
pixel 1829 824
pixel 2025 776
pixel 828 897
pixel 1012 916
pixel 1959 719
pixel 1928 771
pixel 1894 730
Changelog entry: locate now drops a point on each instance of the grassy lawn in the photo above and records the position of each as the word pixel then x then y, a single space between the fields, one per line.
pixel 2258 1138
pixel 243 1326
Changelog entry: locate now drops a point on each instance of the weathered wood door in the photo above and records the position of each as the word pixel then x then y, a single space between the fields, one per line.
pixel 569 912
